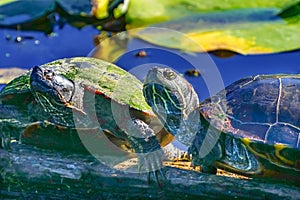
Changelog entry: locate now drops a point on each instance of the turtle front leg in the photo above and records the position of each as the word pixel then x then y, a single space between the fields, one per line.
pixel 204 154
pixel 12 123
pixel 147 147
pixel 10 129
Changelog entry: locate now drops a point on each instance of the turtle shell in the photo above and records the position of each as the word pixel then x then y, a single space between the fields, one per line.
pixel 101 76
pixel 264 113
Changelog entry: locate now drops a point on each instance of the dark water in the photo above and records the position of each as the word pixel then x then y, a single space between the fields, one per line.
pixel 36 48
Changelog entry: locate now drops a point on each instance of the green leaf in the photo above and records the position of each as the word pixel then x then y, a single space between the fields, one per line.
pixel 20 11
pixel 2 2
pixel 143 13
pixel 246 31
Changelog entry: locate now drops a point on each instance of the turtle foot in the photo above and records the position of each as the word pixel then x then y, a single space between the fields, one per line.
pixel 5 142
pixel 150 159
pixel 152 164
pixel 156 175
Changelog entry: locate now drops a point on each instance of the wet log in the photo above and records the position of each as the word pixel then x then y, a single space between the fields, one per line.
pixel 27 172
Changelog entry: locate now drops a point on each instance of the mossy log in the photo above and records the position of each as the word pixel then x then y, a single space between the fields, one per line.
pixel 31 173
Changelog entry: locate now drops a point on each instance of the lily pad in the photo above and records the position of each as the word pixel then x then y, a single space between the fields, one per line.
pixel 42 15
pixel 251 30
pixel 143 13
pixel 16 12
pixel 246 31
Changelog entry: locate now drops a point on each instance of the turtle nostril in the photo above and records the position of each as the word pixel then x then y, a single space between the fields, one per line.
pixel 154 69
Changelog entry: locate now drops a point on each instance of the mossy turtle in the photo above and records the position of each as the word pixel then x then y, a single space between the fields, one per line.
pixel 86 94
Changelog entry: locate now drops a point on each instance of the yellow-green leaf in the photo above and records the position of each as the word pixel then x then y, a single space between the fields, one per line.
pixel 146 12
pixel 246 31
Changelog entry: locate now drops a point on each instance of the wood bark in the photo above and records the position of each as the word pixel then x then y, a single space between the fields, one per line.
pixel 31 173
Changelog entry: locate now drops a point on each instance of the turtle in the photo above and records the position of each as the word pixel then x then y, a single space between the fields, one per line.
pixel 251 127
pixel 50 104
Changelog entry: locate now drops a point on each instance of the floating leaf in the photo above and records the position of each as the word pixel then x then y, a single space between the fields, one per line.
pixel 14 12
pixel 143 13
pixel 42 15
pixel 248 28
pixel 246 31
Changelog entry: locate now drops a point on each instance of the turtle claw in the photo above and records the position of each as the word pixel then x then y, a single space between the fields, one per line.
pixel 68 105
pixel 156 174
pixel 159 176
pixel 5 136
pixel 5 143
pixel 151 163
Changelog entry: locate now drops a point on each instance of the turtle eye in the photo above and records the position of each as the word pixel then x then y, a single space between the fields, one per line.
pixel 48 74
pixel 170 75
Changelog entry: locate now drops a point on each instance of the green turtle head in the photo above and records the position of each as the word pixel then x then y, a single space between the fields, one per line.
pixel 171 97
